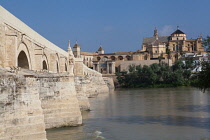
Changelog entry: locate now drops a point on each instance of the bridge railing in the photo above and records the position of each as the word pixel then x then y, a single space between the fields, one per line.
pixel 90 72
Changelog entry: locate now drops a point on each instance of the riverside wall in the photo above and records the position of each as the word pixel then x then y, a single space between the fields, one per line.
pixel 59 101
pixel 21 114
pixel 88 83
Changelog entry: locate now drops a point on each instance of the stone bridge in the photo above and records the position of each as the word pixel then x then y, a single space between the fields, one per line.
pixel 41 85
pixel 20 46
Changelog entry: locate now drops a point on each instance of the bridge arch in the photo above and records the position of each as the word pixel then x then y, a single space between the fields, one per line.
pixel 23 57
pixel 45 64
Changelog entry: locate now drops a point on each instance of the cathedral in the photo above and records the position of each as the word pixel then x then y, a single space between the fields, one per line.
pixel 173 46
pixel 154 49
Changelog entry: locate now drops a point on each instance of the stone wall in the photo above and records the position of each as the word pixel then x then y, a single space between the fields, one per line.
pixel 16 38
pixel 31 102
pixel 109 82
pixel 19 26
pixel 89 84
pixel 124 65
pixel 21 115
pixel 59 101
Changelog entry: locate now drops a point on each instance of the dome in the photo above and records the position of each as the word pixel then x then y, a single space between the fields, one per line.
pixel 178 32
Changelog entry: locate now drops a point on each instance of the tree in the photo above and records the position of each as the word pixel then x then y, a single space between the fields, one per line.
pixel 189 64
pixel 178 65
pixel 168 52
pixel 160 58
pixel 204 76
pixel 206 43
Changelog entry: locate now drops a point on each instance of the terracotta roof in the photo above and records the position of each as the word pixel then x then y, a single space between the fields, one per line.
pixel 119 53
pixel 89 53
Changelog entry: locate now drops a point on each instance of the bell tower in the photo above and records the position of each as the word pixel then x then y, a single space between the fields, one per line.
pixel 76 50
pixel 156 33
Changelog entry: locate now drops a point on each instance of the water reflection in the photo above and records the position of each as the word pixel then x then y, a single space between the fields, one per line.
pixel 195 108
pixel 164 120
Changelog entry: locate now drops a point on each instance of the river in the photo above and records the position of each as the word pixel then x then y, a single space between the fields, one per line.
pixel 143 114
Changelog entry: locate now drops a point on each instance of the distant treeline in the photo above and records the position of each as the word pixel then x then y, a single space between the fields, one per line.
pixel 159 75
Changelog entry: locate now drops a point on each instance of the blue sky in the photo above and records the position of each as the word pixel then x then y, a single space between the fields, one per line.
pixel 118 25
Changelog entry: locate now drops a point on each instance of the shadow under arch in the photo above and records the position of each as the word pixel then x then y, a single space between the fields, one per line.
pixel 57 63
pixel 66 65
pixel 45 64
pixel 23 60
pixel 23 57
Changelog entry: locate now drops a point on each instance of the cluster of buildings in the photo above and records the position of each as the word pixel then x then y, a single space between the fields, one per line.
pixel 154 49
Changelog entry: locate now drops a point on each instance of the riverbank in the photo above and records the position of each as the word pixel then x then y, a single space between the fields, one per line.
pixel 158 75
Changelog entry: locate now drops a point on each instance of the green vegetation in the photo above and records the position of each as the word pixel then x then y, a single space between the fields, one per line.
pixel 206 43
pixel 161 75
pixel 157 75
pixel 202 79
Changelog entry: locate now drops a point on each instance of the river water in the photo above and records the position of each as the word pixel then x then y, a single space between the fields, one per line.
pixel 143 114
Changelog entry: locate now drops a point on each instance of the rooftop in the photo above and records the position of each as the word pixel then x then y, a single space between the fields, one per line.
pixel 178 32
pixel 149 40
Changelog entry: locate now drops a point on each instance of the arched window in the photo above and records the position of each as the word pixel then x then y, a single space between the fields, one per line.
pixel 120 57
pixel 113 58
pixel 128 57
pixel 105 58
pixel 98 58
pixel 44 65
pixel 23 60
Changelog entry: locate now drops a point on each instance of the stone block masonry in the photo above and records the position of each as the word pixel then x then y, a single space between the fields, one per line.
pixel 89 83
pixel 31 102
pixel 21 115
pixel 58 100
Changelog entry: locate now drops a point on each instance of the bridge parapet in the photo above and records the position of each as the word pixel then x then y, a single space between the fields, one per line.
pixel 90 72
pixel 21 46
pixel 88 83
pixel 18 25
